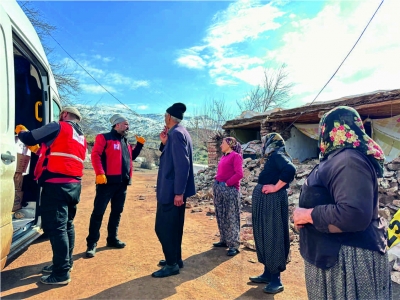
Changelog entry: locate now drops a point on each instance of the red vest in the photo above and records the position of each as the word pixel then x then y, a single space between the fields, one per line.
pixel 65 155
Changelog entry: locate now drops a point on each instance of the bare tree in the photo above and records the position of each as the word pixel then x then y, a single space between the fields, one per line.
pixel 273 92
pixel 207 122
pixel 67 83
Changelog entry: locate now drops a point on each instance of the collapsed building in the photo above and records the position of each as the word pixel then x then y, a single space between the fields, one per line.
pixel 380 112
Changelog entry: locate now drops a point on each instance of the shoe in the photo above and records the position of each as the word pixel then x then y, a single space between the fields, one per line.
pixel 49 269
pixel 116 244
pixel 259 279
pixel 163 263
pixel 220 244
pixel 50 279
pixel 166 271
pixel 91 250
pixel 275 286
pixel 232 252
pixel 273 289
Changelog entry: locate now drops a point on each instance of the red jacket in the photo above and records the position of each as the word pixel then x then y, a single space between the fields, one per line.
pixel 64 157
pixel 110 158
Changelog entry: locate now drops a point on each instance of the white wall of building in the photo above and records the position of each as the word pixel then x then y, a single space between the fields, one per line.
pixel 300 146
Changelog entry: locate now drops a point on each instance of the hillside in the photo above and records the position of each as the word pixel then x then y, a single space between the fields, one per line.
pixel 96 119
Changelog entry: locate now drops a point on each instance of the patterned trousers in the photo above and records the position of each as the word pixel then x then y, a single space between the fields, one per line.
pixel 227 212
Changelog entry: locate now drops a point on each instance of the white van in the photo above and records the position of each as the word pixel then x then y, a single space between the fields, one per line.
pixel 28 96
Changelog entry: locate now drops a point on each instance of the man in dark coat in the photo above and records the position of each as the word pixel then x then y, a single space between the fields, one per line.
pixel 175 182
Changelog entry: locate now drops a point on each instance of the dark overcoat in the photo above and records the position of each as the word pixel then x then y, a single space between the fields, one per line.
pixel 175 174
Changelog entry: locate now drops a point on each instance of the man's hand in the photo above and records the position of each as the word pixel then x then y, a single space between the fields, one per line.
pixel 140 139
pixel 20 128
pixel 178 200
pixel 34 148
pixel 101 179
pixel 164 135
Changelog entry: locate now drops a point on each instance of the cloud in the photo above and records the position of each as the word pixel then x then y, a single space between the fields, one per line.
pixel 139 83
pixel 314 50
pixel 191 61
pixel 249 36
pixel 96 89
pixel 104 59
pixel 112 80
pixel 142 107
pixel 220 81
pixel 223 49
pixel 243 20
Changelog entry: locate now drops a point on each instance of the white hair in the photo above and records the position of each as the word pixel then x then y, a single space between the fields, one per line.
pixel 175 119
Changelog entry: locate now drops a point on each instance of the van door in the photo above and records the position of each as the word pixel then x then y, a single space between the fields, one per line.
pixel 7 141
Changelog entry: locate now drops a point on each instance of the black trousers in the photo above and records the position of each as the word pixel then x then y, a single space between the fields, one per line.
pixel 58 210
pixel 169 229
pixel 116 193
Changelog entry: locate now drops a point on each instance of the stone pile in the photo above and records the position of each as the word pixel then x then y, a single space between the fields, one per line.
pixel 389 193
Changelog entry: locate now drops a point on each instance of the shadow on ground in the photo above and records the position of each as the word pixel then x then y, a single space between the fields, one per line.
pixel 148 287
pixel 31 274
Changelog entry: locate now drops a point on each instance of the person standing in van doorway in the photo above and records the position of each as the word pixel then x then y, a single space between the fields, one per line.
pixel 59 171
pixel 175 182
pixel 112 157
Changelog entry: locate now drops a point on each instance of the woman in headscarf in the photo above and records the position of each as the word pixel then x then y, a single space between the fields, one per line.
pixel 226 195
pixel 271 214
pixel 342 238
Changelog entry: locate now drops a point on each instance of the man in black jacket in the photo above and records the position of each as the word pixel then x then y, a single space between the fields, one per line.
pixel 112 157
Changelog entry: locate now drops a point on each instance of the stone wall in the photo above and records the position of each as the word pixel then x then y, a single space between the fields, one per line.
pixel 281 128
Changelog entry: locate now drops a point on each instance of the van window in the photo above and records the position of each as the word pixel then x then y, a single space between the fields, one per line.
pixel 28 92
pixel 56 110
pixel 5 114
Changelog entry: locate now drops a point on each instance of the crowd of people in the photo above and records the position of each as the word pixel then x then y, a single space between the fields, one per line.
pixel 342 238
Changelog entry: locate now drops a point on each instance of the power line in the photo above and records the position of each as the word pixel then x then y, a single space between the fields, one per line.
pixel 365 28
pixel 87 72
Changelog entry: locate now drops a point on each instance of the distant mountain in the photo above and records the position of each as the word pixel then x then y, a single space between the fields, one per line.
pixel 96 119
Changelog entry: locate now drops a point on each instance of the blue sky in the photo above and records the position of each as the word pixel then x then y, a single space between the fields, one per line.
pixel 152 54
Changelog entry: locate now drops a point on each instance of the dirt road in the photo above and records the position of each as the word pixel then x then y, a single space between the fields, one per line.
pixel 125 273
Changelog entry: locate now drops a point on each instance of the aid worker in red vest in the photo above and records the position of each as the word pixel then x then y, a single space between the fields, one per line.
pixel 59 171
pixel 112 157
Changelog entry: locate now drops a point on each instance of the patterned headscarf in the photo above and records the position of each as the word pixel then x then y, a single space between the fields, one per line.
pixel 234 145
pixel 273 142
pixel 342 127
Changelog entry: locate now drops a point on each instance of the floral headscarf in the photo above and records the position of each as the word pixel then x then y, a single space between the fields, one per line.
pixel 273 142
pixel 342 127
pixel 234 144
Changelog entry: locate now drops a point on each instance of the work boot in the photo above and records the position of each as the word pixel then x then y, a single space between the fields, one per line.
pixel 49 269
pixel 50 279
pixel 166 271
pixel 91 250
pixel 116 244
pixel 163 263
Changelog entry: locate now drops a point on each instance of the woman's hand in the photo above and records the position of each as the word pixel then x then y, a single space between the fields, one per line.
pixel 268 188
pixel 302 216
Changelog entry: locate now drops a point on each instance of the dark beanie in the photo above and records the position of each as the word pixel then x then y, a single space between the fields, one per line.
pixel 177 110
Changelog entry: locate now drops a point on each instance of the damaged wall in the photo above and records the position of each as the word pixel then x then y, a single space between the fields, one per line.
pixel 300 146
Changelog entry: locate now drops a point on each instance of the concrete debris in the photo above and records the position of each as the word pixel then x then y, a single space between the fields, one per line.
pixel 197 209
pixel 250 244
pixel 389 193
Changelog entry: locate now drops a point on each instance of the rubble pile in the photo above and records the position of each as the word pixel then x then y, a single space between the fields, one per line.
pixel 389 193
pixel 252 147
